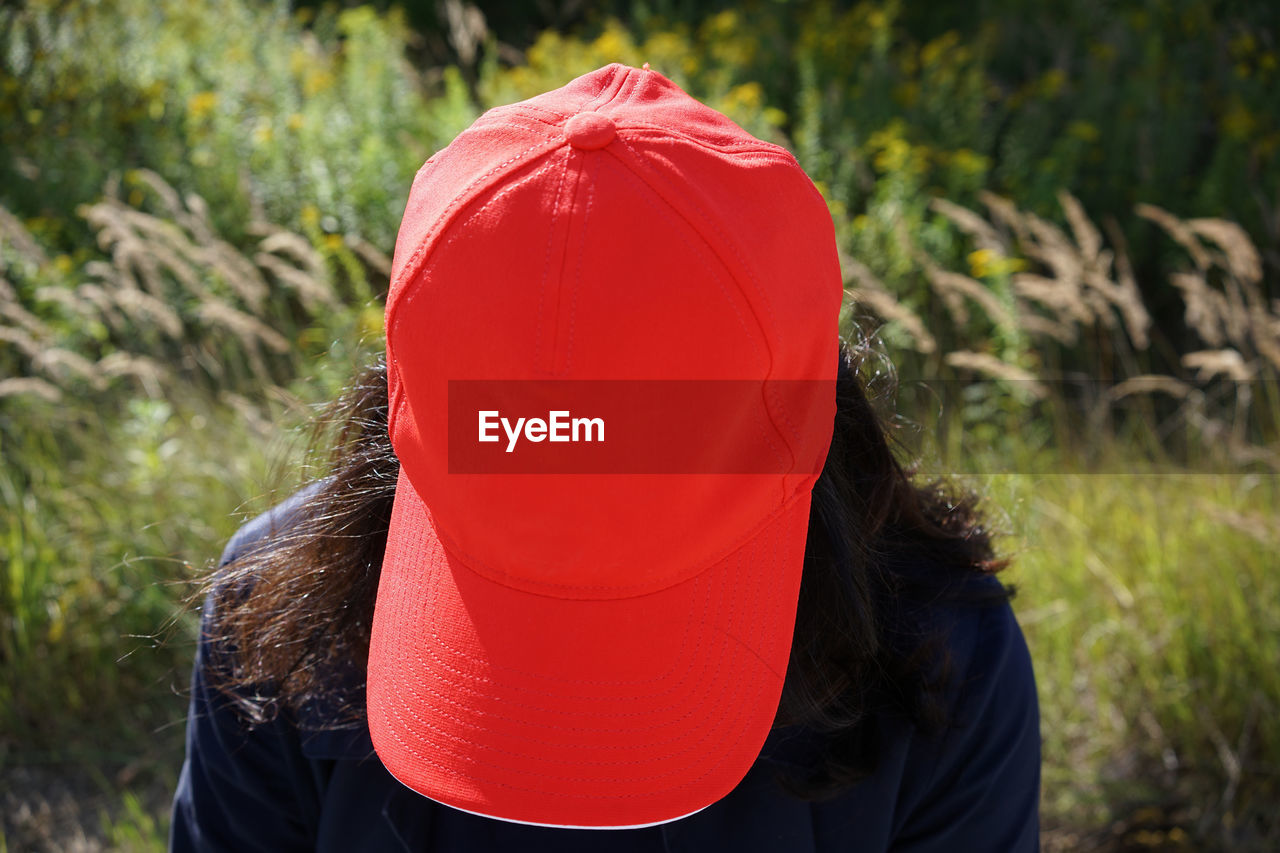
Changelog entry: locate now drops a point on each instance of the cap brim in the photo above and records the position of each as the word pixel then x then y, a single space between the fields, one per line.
pixel 577 713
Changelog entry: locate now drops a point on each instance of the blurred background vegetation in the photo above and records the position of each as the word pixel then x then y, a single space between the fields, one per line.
pixel 1061 227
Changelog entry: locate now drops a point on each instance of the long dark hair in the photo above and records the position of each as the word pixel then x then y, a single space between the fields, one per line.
pixel 881 551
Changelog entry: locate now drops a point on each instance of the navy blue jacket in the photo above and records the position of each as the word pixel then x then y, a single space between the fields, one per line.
pixel 284 786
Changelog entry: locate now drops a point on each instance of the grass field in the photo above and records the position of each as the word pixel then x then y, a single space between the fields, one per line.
pixel 1149 603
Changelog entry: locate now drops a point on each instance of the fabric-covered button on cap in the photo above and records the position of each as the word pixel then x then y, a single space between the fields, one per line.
pixel 589 131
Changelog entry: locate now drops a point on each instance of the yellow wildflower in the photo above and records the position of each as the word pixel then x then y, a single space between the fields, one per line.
pixel 1242 45
pixel 988 262
pixel 934 50
pixel 1238 121
pixel 201 104
pixel 721 24
pixel 298 60
pixel 1083 130
pixel 612 44
pixel 1104 51
pixel 315 81
pixel 969 162
pixel 894 156
pixel 1052 82
pixel 744 99
pixel 980 262
pixel 907 93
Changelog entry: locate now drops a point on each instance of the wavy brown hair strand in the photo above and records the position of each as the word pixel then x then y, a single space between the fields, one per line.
pixel 881 553
pixel 297 609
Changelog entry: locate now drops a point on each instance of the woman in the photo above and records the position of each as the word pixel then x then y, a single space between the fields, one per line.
pixel 613 540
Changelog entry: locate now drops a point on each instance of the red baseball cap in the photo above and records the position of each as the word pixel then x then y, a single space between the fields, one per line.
pixel 600 646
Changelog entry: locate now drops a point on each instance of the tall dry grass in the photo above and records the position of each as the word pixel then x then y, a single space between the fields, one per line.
pixel 1060 295
pixel 168 301
pixel 173 300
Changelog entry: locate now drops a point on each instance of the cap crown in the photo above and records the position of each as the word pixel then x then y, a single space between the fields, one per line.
pixel 615 229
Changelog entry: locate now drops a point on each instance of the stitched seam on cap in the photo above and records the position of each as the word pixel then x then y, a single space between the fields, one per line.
pixel 427 242
pixel 775 153
pixel 554 368
pixel 763 296
pixel 763 329
pixel 496 697
pixel 729 146
pixel 718 272
pixel 635 79
pixel 546 267
pixel 500 116
pixel 513 117
pixel 506 190
pixel 604 92
pixel 401 400
pixel 526 105
pixel 577 275
pixel 771 151
pixel 733 722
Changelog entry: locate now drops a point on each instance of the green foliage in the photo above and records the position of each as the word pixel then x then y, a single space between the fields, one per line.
pixel 106 515
pixel 100 520
pixel 1148 601
pixel 702 61
pixel 136 830
pixel 259 115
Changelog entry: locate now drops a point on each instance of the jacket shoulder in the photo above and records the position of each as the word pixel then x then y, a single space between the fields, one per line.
pixel 260 530
pixel 976 784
